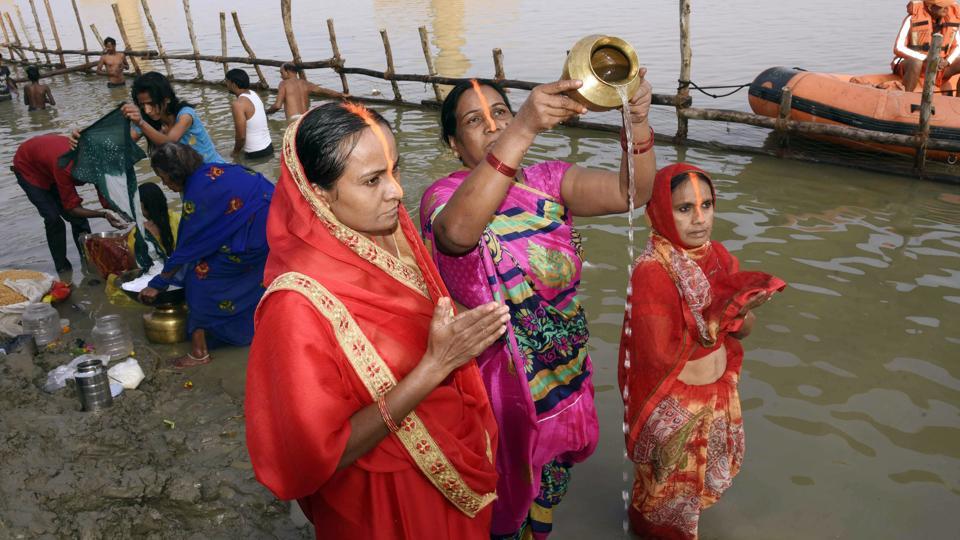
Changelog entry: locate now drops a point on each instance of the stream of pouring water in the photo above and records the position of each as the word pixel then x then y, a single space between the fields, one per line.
pixel 628 157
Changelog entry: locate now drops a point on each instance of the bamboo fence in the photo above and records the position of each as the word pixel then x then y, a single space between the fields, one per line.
pixel 680 101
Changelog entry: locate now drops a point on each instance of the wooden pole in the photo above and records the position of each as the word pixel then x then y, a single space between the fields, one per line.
pixel 9 42
pixel 390 69
pixel 36 20
pixel 96 35
pixel 45 74
pixel 223 41
pixel 126 40
pixel 926 104
pixel 83 35
pixel 337 57
pixel 193 38
pixel 425 44
pixel 498 73
pixel 786 105
pixel 286 12
pixel 156 37
pixel 686 56
pixel 16 37
pixel 246 47
pixel 56 34
pixel 23 26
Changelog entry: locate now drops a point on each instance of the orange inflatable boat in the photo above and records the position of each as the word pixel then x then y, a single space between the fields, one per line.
pixel 835 99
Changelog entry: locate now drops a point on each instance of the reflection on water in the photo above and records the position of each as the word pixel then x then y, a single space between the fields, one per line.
pixel 850 386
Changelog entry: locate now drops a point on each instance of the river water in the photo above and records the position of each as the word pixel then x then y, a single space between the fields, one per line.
pixel 851 383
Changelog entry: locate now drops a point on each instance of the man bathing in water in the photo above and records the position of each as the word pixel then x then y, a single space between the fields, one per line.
pixel 36 96
pixel 293 95
pixel 114 62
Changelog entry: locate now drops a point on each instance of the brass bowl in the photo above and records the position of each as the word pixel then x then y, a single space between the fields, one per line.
pixel 166 324
pixel 605 64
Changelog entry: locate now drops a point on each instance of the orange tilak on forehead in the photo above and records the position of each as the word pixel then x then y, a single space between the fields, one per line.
pixel 484 106
pixel 368 119
pixel 696 193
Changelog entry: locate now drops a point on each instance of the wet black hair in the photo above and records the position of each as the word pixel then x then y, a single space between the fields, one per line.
pixel 155 206
pixel 159 89
pixel 448 111
pixel 290 66
pixel 109 41
pixel 239 77
pixel 176 160
pixel 33 73
pixel 325 140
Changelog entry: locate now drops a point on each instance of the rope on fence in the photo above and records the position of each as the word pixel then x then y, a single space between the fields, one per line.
pixel 703 89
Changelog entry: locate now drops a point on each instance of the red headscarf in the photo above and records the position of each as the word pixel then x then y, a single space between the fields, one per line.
pixel 684 304
pixel 392 304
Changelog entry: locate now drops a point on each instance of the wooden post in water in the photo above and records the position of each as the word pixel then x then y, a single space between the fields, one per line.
pixel 425 44
pixel 193 38
pixel 16 38
pixel 156 38
pixel 23 26
pixel 56 34
pixel 786 104
pixel 926 103
pixel 123 36
pixel 390 69
pixel 246 46
pixel 286 13
pixel 498 73
pixel 336 56
pixel 686 56
pixel 223 41
pixel 36 20
pixel 83 35
pixel 9 42
pixel 96 35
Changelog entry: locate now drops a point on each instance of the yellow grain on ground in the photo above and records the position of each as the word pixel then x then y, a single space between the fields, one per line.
pixel 9 296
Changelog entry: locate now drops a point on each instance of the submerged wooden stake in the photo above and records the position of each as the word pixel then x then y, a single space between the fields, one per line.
pixel 285 11
pixel 786 105
pixel 425 44
pixel 336 56
pixel 223 41
pixel 56 34
pixel 498 73
pixel 193 38
pixel 926 103
pixel 246 47
pixel 686 56
pixel 23 26
pixel 156 38
pixel 126 40
pixel 83 35
pixel 390 69
pixel 36 20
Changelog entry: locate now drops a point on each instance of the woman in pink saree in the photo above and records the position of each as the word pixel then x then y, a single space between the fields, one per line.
pixel 506 235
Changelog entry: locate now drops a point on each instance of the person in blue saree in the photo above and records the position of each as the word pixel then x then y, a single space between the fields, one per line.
pixel 221 247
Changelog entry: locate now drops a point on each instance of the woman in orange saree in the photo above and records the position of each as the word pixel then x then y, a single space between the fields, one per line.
pixel 363 400
pixel 680 358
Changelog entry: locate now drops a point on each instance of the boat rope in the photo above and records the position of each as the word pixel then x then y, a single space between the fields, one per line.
pixel 703 89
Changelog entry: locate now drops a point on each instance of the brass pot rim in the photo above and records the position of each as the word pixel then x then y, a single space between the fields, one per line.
pixel 596 93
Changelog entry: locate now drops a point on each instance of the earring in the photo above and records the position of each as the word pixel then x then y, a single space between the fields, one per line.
pixel 456 154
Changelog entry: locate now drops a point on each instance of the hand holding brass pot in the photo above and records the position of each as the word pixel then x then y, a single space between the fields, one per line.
pixel 604 64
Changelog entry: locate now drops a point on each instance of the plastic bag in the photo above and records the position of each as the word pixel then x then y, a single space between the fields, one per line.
pixel 57 377
pixel 128 373
pixel 33 289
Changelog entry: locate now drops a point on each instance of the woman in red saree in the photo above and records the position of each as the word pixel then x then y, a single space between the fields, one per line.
pixel 680 358
pixel 363 401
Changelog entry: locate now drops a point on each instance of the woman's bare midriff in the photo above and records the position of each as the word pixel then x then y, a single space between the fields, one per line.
pixel 705 370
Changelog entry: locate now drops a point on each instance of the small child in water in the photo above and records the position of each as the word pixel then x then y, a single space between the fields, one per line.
pixel 36 96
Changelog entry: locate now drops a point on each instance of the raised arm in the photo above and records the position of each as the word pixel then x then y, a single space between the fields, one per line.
pixel 596 192
pixel 458 227
pixel 183 123
pixel 325 92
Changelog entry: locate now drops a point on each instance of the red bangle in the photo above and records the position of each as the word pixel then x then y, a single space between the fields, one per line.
pixel 500 166
pixel 387 419
pixel 638 148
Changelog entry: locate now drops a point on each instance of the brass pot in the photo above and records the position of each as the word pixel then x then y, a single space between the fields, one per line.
pixel 604 64
pixel 167 323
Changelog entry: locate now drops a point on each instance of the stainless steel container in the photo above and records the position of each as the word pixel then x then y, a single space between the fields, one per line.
pixel 93 386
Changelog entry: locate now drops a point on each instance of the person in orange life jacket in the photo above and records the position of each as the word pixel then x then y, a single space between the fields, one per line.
pixel 925 18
